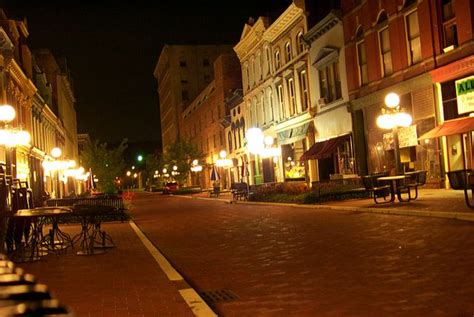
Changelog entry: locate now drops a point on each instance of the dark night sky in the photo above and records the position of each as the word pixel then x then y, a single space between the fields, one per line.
pixel 112 48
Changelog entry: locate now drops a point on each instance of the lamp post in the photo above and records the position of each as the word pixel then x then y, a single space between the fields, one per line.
pixel 393 118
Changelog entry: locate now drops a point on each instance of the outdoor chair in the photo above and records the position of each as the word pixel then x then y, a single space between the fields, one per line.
pixel 415 179
pixel 239 191
pixel 460 180
pixel 376 190
pixel 215 191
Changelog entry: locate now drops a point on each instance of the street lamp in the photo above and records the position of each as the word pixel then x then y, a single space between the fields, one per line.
pixel 392 118
pixel 11 138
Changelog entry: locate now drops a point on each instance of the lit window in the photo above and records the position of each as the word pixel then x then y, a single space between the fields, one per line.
pixel 413 36
pixel 300 42
pixel 304 90
pixel 450 36
pixel 280 101
pixel 270 104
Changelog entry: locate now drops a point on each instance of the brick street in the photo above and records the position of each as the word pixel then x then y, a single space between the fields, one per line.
pixel 283 261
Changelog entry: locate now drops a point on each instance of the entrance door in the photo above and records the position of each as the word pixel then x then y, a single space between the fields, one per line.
pixel 268 170
pixel 326 168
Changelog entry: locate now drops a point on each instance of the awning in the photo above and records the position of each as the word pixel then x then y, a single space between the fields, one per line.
pixel 294 134
pixel 450 127
pixel 323 149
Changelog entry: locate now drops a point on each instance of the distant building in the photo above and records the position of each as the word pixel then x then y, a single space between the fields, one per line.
pixel 182 72
pixel 203 120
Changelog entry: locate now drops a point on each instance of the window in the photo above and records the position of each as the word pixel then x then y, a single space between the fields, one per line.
pixel 207 78
pixel 229 140
pixel 255 112
pixel 362 63
pixel 252 71
pixel 246 78
pixel 288 52
pixel 280 101
pixel 184 81
pixel 330 82
pixel 182 63
pixel 413 36
pixel 304 90
pixel 205 62
pixel 261 65
pixel 450 36
pixel 262 105
pixel 385 52
pixel 269 59
pixel 277 59
pixel 270 104
pixel 300 42
pixel 184 95
pixel 291 90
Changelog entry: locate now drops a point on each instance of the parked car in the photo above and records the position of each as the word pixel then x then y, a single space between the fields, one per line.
pixel 170 187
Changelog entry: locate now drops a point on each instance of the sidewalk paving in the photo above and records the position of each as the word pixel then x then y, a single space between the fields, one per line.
pixel 444 203
pixel 128 281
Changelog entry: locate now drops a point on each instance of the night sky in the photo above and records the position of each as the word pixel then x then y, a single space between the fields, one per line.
pixel 112 48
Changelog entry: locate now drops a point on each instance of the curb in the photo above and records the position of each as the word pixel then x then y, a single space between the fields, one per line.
pixel 464 216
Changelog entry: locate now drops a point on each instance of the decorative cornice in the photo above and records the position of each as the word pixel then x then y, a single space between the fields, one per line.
pixel 286 19
pixel 322 27
pixel 454 70
pixel 251 38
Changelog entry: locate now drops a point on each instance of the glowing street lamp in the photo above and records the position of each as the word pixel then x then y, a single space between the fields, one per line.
pixel 392 119
pixel 56 152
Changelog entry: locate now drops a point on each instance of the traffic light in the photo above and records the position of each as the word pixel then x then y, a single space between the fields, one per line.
pixel 140 158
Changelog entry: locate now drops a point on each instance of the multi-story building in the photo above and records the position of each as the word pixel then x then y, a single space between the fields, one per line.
pixel 62 105
pixel 182 72
pixel 416 49
pixel 202 120
pixel 332 154
pixel 276 92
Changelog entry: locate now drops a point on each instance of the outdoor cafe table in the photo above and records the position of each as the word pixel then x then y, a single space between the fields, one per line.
pixel 39 217
pixel 393 184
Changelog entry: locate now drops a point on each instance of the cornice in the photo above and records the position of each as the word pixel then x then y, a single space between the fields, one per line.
pixel 252 39
pixel 286 19
pixel 322 27
pixel 68 86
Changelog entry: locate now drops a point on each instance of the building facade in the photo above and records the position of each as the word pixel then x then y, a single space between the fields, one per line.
pixel 203 120
pixel 182 72
pixel 332 154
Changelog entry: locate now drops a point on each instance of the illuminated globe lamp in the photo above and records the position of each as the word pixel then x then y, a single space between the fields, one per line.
pixel 391 119
pixel 56 152
pixel 255 140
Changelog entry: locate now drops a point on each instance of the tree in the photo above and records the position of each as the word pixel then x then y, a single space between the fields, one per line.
pixel 106 163
pixel 181 153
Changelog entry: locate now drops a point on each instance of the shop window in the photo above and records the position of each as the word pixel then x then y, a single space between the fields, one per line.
pixel 413 38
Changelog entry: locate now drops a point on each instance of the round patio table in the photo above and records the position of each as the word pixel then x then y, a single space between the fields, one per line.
pixel 393 184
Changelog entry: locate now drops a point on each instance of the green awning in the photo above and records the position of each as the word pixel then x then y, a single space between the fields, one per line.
pixel 294 134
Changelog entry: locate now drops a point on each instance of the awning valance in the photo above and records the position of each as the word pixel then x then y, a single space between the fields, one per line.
pixel 450 127
pixel 292 135
pixel 323 149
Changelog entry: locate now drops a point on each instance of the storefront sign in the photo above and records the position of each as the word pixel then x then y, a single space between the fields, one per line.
pixel 406 137
pixel 465 94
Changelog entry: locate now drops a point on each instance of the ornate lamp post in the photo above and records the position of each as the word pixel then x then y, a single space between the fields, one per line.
pixel 392 118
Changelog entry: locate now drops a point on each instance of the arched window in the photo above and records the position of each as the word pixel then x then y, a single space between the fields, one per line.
pixel 269 60
pixel 262 105
pixel 229 140
pixel 385 51
pixel 361 57
pixel 277 59
pixel 288 56
pixel 299 40
pixel 270 104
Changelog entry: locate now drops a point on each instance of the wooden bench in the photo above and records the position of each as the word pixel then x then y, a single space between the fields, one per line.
pixel 239 191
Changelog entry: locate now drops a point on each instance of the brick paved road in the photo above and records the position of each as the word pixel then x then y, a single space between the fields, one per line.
pixel 284 261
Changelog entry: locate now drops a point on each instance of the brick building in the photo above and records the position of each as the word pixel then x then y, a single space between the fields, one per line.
pixel 182 72
pixel 400 46
pixel 202 119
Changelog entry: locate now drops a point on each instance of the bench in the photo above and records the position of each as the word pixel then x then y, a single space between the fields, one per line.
pixel 239 191
pixel 463 180
pixel 215 191
pixel 375 188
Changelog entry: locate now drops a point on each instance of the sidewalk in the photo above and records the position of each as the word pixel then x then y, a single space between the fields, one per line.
pixel 444 203
pixel 125 281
